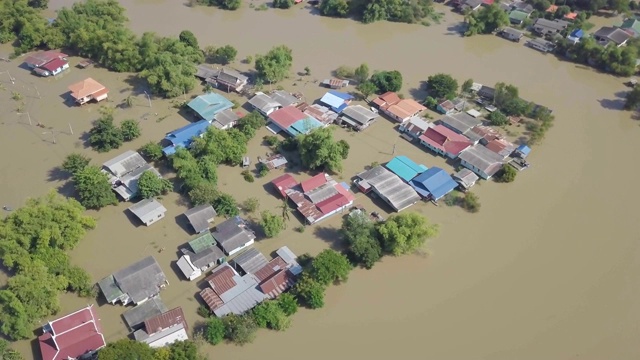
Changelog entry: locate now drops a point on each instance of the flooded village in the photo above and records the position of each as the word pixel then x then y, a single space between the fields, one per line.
pixel 546 269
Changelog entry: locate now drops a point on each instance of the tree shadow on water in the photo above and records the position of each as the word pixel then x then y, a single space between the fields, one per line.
pixel 329 235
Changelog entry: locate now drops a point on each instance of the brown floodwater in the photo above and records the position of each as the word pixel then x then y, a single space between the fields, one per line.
pixel 549 268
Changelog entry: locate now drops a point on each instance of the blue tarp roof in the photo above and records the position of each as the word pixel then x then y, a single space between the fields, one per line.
pixel 209 105
pixel 336 100
pixel 303 126
pixel 434 182
pixel 405 168
pixel 577 33
pixel 524 149
pixel 184 135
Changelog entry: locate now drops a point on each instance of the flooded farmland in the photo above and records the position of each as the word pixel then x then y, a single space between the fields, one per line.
pixel 549 268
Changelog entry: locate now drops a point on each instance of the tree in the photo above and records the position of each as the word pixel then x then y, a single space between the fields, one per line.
pixel 226 205
pixel 38 4
pixel 288 303
pixel 366 89
pixel 169 74
pixel 619 6
pixel 224 55
pixel 183 350
pixel 130 130
pixel 221 146
pixel 250 123
pixel 225 4
pixel 318 150
pixel 309 292
pixel 204 193
pixel 37 289
pixel 507 99
pixel 466 86
pixel 632 100
pixel 359 232
pixel 330 266
pixel 189 39
pixel 486 20
pixel 240 329
pixel 405 233
pixel 361 73
pixel 74 163
pixel 271 224
pixel 275 65
pixel 214 330
pixel 282 4
pixel 442 86
pixel 105 136
pixel 126 349
pixel 431 103
pixel 15 322
pixel 387 81
pixel 152 151
pixel 151 185
pixel 93 188
pixel 335 8
pixel 269 314
pixel 6 353
pixel 497 118
pixel 508 174
pixel 470 202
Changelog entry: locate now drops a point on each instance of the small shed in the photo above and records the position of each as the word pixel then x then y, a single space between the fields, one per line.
pixel 465 178
pixel 200 217
pixel 250 261
pixel 473 112
pixel 148 211
pixel 135 317
pixel 522 151
pixel 335 83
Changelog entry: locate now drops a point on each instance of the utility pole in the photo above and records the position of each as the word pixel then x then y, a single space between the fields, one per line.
pixel 28 116
pixel 13 81
pixel 148 98
pixel 70 129
pixel 394 150
pixel 37 92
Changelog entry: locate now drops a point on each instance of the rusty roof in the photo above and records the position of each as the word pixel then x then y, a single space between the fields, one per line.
pixel 271 268
pixel 165 320
pixel 222 280
pixel 212 299
pixel 277 283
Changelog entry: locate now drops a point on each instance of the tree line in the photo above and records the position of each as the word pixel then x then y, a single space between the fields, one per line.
pixel 129 349
pixel 410 12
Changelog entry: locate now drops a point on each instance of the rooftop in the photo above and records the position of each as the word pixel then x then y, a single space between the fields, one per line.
pixel 406 108
pixel 284 98
pixel 135 316
pixel 445 140
pixel 390 186
pixel 264 102
pixel 125 163
pixel 284 182
pixel 72 335
pixel 434 183
pixel 54 64
pixel 336 100
pixel 42 57
pixel 466 177
pixel 209 105
pixel 232 234
pixel 147 209
pixel 460 122
pixel 165 320
pixel 359 113
pixel 482 158
pixel 613 34
pixel 387 99
pixel 141 280
pixel 200 217
pixel 287 116
pixel 85 88
pixel 202 242
pixel 230 292
pixel 250 260
pixel 183 136
pixel 405 168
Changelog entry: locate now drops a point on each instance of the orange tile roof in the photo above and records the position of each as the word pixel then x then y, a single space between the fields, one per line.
pixel 552 8
pixel 571 16
pixel 85 88
pixel 406 108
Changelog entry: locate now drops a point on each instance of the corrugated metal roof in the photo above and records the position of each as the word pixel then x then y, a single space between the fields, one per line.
pixel 250 260
pixel 208 105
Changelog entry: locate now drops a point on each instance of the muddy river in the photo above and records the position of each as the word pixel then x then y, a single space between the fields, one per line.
pixel 549 268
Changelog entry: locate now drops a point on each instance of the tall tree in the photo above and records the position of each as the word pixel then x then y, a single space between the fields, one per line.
pixel 74 163
pixel 275 65
pixel 442 86
pixel 269 314
pixel 240 329
pixel 330 266
pixel 15 322
pixel 309 292
pixel 105 136
pixel 359 232
pixel 93 188
pixel 189 39
pixel 361 73
pixel 126 349
pixel 6 353
pixel 130 130
pixel 318 150
pixel 151 185
pixel 271 224
pixel 214 330
pixel 405 233
pixel 387 81
pixel 486 20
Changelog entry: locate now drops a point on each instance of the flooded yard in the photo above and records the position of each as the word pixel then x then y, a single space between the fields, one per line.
pixel 548 269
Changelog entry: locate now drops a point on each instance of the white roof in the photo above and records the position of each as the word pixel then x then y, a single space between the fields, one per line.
pixel 476 86
pixel 147 209
pixel 332 100
pixel 124 163
pixel 473 112
pixel 185 265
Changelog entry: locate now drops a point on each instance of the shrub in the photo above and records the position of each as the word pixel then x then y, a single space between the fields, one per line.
pixel 271 140
pixel 214 331
pixel 152 151
pixel 251 204
pixel 74 163
pixel 470 202
pixel 247 176
pixel 507 174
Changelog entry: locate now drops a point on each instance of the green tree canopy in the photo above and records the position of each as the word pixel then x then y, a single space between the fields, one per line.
pixel 250 123
pixel 223 55
pixel 508 174
pixel 366 89
pixel 152 151
pixel 6 353
pixel 405 233
pixel 105 136
pixel 151 185
pixel 204 193
pixel 330 266
pixel 282 4
pixel 442 86
pixel 497 118
pixel 240 329
pixel 387 81
pixel 15 322
pixel 359 232
pixel 93 188
pixel 318 150
pixel 288 303
pixel 361 73
pixel 74 163
pixel 335 8
pixel 486 20
pixel 309 292
pixel 271 224
pixel 221 146
pixel 169 74
pixel 632 100
pixel 466 86
pixel 226 205
pixel 189 39
pixel 126 349
pixel 214 330
pixel 130 130
pixel 269 314
pixel 275 65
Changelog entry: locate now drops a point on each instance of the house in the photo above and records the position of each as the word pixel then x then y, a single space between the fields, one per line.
pixel 481 160
pixel 460 122
pixel 233 235
pixel 226 119
pixel 200 217
pixel 415 127
pixel 52 68
pixel 575 36
pixel 358 117
pixel 207 106
pixel 522 151
pixel 335 83
pixel 135 316
pixel 486 93
pixel 611 35
pixel 292 121
pixel 552 9
pixel 164 329
pixel 400 110
pixel 444 141
pixel 465 178
pixel 264 104
pixel 486 134
pixel 230 293
pixel 283 183
pixel 284 98
pixel 388 186
pixel 405 168
pixel 124 171
pixel 183 136
pixel 205 72
pixel 321 113
pixel 385 100
pixel 571 16
pixel 72 336
pixel 470 5
pixel 275 161
pixel 517 17
pixel 451 106
pixel 336 100
pixel 541 45
pixel 87 90
pixel 279 274
pixel 148 211
pixel 544 27
pixel 522 6
pixel 632 26
pixel 433 184
pixel 250 261
pixel 135 283
pixel 201 255
pixel 319 197
pixel 501 147
pixel 511 34
pixel 231 80
pixel 41 58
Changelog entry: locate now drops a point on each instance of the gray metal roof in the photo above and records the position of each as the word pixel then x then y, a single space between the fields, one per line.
pixel 141 280
pixel 251 260
pixel 482 158
pixel 614 34
pixel 322 192
pixel 283 98
pixel 109 289
pixel 290 258
pixel 465 177
pixel 205 71
pixel 206 257
pixel 200 216
pixel 513 32
pixel 232 234
pixel 242 297
pixel 399 194
pixel 263 102
pixel 460 122
pixel 147 209
pixel 359 114
pixel 136 316
pixel 543 25
pixel 225 117
pixel 231 76
pixel 124 163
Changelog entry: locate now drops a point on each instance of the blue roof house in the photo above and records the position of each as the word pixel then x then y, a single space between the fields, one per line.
pixel 523 151
pixel 405 168
pixel 575 36
pixel 207 106
pixel 433 184
pixel 336 100
pixel 182 137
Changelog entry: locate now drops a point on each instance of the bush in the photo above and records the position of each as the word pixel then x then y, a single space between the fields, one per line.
pixel 264 170
pixel 271 140
pixel 271 224
pixel 75 163
pixel 288 303
pixel 251 204
pixel 282 4
pixel 470 202
pixel 497 118
pixel 151 185
pixel 204 311
pixel 452 199
pixel 329 267
pixel 226 205
pixel 240 329
pixel 130 130
pixel 309 292
pixel 214 331
pixel 269 314
pixel 345 72
pixel 152 151
pixel 507 174
pixel 247 176
pixel 431 103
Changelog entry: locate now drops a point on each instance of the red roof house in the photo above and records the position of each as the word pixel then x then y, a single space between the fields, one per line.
pixel 283 183
pixel 43 57
pixel 72 336
pixel 319 197
pixel 387 99
pixel 286 117
pixel 444 141
pixel 314 182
